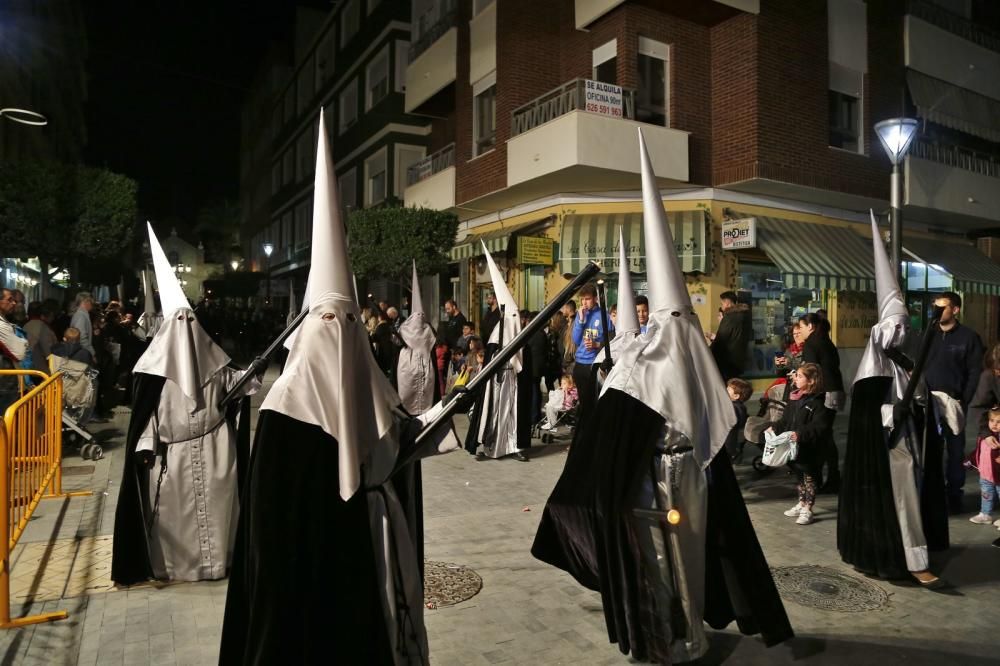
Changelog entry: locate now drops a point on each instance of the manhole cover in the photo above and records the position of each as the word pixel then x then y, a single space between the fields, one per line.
pixel 78 470
pixel 448 584
pixel 828 589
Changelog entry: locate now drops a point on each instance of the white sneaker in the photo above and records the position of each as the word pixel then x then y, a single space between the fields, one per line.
pixel 996 523
pixel 795 510
pixel 546 427
pixel 805 517
pixel 981 519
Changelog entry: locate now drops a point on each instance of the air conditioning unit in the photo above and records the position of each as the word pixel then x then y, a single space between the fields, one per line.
pixel 483 270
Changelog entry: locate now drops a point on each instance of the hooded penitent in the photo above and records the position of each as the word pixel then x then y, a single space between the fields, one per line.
pixel 501 423
pixel 415 372
pixel 661 417
pixel 330 378
pixel 181 351
pixel 329 503
pixel 670 369
pixel 892 508
pixel 176 512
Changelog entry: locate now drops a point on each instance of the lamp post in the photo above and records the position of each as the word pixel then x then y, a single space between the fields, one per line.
pixel 268 249
pixel 896 135
pixel 234 264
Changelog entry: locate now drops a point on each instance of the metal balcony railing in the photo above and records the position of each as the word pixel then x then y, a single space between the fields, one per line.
pixel 432 26
pixel 953 23
pixel 430 165
pixel 570 96
pixel 958 157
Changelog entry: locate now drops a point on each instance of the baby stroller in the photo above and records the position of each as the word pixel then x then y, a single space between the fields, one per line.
pixel 79 399
pixel 772 406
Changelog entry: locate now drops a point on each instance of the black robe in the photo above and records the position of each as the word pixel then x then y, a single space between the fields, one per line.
pixel 304 582
pixel 130 558
pixel 588 529
pixel 868 532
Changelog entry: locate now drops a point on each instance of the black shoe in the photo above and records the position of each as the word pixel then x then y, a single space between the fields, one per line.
pixel 996 543
pixel 480 456
pixel 520 457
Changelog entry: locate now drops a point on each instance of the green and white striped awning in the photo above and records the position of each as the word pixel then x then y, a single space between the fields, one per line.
pixel 496 241
pixel 586 238
pixel 973 272
pixel 817 256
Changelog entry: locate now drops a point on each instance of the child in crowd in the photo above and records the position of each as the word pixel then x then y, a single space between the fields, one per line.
pixel 986 458
pixel 811 424
pixel 467 333
pixel 562 399
pixel 455 367
pixel 739 391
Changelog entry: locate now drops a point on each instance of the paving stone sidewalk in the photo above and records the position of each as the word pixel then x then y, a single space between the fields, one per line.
pixel 483 515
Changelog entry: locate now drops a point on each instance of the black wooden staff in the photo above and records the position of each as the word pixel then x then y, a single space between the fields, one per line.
pixel 263 358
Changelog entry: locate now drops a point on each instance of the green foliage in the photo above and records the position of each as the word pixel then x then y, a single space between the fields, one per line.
pixel 65 213
pixel 105 213
pixel 385 240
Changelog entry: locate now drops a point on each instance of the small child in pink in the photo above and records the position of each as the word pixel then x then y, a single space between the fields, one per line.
pixel 986 458
pixel 562 399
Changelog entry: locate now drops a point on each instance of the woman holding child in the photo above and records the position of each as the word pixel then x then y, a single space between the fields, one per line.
pixel 811 424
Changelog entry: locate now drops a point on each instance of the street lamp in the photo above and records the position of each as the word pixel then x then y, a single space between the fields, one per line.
pixel 268 249
pixel 896 135
pixel 235 264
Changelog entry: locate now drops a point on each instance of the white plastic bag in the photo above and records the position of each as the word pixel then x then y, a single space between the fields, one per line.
pixel 779 450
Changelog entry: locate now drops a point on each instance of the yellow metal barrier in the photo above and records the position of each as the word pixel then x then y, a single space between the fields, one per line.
pixel 30 471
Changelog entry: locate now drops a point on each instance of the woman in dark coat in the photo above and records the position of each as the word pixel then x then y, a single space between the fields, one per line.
pixel 818 348
pixel 811 421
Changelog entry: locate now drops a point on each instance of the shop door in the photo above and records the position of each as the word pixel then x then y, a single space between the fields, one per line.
pixel 534 287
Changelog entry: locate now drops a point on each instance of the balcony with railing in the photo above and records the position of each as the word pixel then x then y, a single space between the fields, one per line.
pixel 430 183
pixel 953 179
pixel 562 137
pixel 570 96
pixel 433 54
pixel 957 25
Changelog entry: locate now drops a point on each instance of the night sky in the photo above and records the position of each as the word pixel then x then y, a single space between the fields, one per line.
pixel 166 83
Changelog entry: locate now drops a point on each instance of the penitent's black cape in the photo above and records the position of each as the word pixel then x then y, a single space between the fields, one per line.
pixel 304 582
pixel 130 561
pixel 586 530
pixel 868 532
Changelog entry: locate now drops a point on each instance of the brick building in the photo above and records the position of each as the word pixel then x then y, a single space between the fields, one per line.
pixel 754 110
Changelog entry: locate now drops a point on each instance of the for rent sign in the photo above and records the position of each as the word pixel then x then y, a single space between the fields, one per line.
pixel 739 234
pixel 604 99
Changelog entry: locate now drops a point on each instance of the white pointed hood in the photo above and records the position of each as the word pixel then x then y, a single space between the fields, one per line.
pixel 512 315
pixel 172 297
pixel 330 378
pixel 181 350
pixel 670 368
pixel 627 320
pixel 415 330
pixel 893 323
pixel 415 369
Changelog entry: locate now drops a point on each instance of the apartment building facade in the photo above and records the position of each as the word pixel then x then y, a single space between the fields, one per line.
pixel 352 64
pixel 759 115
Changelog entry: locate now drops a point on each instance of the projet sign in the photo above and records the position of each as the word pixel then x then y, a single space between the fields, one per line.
pixel 739 234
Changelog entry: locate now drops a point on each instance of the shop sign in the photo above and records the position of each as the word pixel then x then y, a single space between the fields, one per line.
pixel 604 99
pixel 739 234
pixel 535 250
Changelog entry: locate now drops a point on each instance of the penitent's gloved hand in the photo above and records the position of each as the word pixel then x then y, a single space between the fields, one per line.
pixel 259 367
